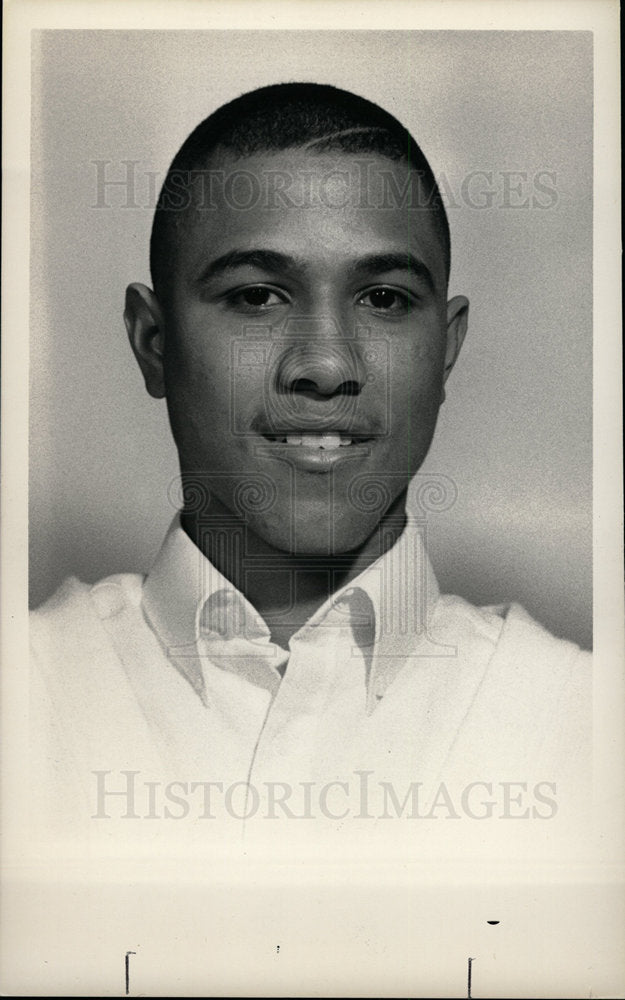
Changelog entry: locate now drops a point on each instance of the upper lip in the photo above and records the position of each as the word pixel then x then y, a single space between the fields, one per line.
pixel 317 427
pixel 357 432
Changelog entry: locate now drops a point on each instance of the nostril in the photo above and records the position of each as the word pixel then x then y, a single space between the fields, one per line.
pixel 303 385
pixel 347 388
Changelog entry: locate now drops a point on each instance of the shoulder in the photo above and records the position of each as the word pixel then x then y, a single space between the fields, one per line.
pixel 74 600
pixel 531 682
pixel 71 626
pixel 530 708
pixel 524 639
pixel 87 642
pixel 514 638
pixel 521 672
pixel 84 713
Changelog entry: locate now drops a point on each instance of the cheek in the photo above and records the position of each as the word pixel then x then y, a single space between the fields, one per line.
pixel 197 369
pixel 194 385
pixel 416 376
pixel 416 382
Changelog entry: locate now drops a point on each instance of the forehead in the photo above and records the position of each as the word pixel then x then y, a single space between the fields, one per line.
pixel 325 208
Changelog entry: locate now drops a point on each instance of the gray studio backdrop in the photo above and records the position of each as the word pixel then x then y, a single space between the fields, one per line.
pixel 506 121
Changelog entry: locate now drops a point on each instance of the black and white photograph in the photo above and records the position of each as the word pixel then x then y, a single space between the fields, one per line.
pixel 320 691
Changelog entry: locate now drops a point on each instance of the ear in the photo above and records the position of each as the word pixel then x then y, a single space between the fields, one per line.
pixel 457 320
pixel 144 322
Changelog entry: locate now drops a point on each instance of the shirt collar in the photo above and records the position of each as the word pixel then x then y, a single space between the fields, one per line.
pixel 185 595
pixel 184 592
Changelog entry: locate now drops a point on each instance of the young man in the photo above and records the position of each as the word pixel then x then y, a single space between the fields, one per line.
pixel 289 654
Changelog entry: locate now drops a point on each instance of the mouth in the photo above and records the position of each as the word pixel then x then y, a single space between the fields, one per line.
pixel 327 440
pixel 318 452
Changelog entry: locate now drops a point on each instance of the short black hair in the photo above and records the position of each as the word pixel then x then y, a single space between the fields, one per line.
pixel 288 116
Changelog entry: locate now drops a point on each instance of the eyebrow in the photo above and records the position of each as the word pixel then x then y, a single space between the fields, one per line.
pixel 273 260
pixel 268 260
pixel 380 262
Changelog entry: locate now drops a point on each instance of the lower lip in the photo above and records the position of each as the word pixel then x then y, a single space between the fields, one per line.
pixel 311 458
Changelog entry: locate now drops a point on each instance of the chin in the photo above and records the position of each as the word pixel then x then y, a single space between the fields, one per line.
pixel 318 536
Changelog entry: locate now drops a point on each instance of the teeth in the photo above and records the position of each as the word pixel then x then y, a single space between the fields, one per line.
pixel 328 441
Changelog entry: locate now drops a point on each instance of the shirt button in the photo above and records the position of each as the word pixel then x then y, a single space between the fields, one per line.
pixel 108 599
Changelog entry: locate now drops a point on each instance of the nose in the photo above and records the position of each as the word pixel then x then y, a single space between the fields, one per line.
pixel 320 366
pixel 311 371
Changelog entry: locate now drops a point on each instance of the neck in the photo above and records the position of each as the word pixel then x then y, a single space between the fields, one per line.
pixel 287 588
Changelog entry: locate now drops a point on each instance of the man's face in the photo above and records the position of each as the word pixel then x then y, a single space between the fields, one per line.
pixel 304 345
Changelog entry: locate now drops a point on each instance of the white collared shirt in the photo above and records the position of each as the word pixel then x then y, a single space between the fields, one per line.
pixel 173 679
pixel 289 712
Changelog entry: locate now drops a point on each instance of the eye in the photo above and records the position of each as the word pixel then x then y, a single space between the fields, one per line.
pixel 384 299
pixel 255 297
